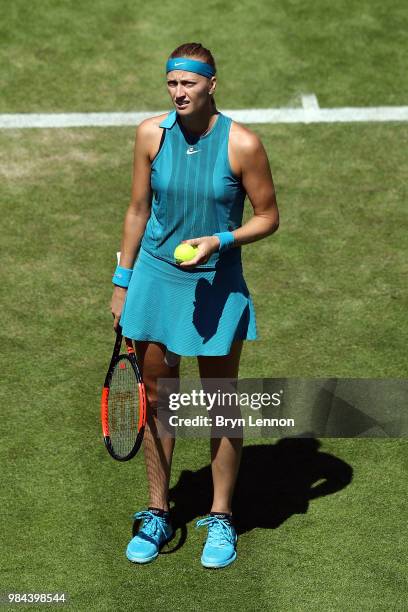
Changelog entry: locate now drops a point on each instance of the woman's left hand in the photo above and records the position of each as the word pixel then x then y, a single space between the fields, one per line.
pixel 207 245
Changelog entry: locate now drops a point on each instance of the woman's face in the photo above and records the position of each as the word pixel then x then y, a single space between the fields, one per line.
pixel 189 91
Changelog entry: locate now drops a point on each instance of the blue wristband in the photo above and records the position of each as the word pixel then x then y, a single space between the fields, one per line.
pixel 226 240
pixel 122 277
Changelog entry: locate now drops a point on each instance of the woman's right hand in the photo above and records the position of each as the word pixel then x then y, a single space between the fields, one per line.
pixel 118 299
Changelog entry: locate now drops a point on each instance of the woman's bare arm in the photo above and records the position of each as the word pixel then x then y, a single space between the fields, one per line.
pixel 138 211
pixel 258 183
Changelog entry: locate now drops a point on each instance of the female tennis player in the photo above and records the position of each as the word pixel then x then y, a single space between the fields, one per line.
pixel 193 168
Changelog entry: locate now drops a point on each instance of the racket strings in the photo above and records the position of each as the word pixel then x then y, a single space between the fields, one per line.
pixel 123 408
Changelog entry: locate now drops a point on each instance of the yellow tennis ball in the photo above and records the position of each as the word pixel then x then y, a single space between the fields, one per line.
pixel 184 252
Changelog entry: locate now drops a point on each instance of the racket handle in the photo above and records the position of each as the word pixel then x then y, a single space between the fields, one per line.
pixel 129 346
pixel 118 340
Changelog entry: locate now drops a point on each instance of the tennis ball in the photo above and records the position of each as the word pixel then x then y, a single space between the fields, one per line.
pixel 184 252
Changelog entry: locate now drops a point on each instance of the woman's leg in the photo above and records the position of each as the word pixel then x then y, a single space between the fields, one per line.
pixel 158 451
pixel 225 451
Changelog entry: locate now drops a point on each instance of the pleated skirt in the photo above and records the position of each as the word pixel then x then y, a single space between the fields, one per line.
pixel 192 312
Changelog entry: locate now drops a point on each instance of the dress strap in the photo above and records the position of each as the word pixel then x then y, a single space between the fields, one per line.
pixel 169 121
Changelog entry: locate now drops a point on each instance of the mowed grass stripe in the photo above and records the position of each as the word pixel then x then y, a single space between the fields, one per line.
pixel 57 55
pixel 336 265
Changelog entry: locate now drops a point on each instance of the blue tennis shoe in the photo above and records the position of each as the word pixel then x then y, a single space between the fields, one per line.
pixel 220 547
pixel 153 534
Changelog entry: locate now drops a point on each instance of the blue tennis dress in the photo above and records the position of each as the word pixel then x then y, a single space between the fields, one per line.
pixel 200 311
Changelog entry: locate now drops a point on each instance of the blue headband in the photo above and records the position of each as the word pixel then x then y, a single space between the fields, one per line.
pixel 190 65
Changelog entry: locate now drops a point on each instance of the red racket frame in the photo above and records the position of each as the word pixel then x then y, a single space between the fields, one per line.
pixel 116 357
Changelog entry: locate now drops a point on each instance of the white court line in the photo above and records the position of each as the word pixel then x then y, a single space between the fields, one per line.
pixel 310 112
pixel 309 102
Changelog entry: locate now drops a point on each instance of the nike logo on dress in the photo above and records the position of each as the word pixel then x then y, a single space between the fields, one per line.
pixel 191 151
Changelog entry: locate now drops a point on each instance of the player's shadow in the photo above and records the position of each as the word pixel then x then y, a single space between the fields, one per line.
pixel 211 299
pixel 275 481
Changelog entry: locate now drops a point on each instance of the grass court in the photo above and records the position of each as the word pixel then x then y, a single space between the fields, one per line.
pixel 329 290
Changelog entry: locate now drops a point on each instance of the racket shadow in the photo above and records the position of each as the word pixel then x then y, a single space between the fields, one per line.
pixel 274 482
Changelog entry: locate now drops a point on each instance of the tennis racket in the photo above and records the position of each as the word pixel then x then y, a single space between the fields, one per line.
pixel 123 403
